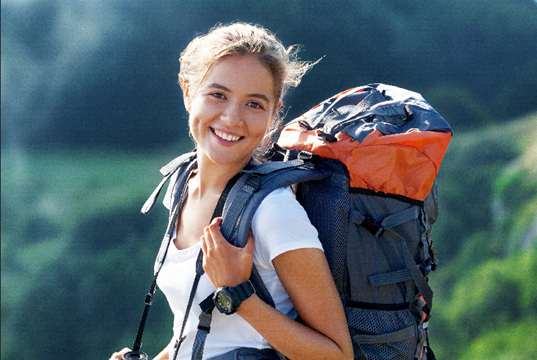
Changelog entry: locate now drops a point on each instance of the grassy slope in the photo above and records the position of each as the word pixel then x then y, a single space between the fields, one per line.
pixel 486 298
pixel 76 253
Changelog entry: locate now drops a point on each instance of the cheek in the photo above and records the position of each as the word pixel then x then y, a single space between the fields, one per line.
pixel 261 127
pixel 268 124
pixel 195 119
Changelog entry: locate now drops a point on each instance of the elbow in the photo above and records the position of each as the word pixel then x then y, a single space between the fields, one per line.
pixel 348 355
pixel 347 351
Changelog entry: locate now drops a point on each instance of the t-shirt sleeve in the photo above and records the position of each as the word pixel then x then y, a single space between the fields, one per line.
pixel 281 224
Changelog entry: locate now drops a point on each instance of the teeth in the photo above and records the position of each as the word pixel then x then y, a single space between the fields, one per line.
pixel 225 136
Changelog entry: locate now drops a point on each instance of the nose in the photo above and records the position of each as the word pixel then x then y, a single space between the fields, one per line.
pixel 232 114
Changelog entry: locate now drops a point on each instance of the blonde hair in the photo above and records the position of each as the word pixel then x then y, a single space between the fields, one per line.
pixel 243 39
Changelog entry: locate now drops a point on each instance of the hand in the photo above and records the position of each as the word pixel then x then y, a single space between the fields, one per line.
pixel 225 264
pixel 119 355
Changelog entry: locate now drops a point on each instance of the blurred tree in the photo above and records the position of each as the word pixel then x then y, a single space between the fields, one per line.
pixel 104 73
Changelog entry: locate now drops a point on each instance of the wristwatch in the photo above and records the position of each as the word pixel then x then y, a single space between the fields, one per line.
pixel 227 299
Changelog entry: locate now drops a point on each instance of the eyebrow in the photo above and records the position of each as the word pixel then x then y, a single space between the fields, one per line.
pixel 222 87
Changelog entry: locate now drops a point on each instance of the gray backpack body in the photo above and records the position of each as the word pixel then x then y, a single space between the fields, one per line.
pixel 377 247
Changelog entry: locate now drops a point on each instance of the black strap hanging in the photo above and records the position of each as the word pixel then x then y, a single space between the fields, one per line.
pixel 178 201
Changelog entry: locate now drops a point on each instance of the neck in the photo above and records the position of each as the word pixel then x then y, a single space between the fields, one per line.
pixel 213 178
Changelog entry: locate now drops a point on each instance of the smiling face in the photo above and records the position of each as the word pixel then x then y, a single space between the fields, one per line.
pixel 232 110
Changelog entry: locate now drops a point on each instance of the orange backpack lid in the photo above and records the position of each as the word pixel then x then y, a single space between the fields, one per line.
pixel 394 146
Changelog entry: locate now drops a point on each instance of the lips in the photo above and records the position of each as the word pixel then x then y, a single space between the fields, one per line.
pixel 227 137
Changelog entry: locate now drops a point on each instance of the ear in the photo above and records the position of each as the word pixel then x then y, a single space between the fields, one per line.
pixel 277 110
pixel 186 95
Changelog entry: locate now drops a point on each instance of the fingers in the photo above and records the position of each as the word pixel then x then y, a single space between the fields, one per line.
pixel 225 264
pixel 212 229
pixel 209 233
pixel 119 355
pixel 212 236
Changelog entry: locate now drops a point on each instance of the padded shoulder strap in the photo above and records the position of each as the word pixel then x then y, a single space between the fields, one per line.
pixel 254 186
pixel 178 197
pixel 249 192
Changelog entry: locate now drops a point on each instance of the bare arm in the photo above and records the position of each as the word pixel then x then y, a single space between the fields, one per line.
pixel 306 277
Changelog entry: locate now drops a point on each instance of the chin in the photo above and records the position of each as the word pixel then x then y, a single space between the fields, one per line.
pixel 223 160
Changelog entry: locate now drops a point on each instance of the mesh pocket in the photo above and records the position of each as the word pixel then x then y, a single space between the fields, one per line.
pixel 382 334
pixel 327 203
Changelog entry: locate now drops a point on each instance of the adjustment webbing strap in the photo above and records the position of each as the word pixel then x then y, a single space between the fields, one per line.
pixel 179 196
pixel 389 222
pixel 390 277
pixel 204 327
pixel 167 170
pixel 148 301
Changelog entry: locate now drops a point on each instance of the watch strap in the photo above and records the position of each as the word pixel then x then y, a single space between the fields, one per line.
pixel 242 291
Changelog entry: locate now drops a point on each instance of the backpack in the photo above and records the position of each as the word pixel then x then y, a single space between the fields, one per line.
pixel 363 164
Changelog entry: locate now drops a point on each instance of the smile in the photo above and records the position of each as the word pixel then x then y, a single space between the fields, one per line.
pixel 225 136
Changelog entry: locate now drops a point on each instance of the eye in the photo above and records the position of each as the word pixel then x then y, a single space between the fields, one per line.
pixel 255 105
pixel 217 95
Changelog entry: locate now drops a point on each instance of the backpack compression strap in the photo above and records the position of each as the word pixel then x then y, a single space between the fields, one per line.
pixel 412 270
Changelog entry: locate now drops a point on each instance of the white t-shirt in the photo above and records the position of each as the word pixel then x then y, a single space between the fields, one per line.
pixel 280 224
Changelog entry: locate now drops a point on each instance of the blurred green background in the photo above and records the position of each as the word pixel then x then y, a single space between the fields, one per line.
pixel 91 110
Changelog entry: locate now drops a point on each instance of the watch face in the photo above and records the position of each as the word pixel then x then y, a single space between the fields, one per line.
pixel 224 302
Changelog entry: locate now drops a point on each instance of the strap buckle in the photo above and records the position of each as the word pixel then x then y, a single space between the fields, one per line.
pixel 254 181
pixel 148 299
pixel 205 322
pixel 372 226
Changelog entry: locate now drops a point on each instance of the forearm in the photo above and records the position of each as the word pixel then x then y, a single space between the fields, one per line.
pixel 293 339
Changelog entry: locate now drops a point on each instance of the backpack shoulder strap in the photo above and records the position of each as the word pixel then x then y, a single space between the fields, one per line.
pixel 254 186
pixel 243 200
pixel 248 193
pixel 178 191
pixel 185 164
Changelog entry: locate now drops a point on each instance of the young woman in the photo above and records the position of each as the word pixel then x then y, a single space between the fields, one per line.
pixel 233 81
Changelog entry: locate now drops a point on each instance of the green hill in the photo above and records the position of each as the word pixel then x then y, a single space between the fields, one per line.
pixel 486 293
